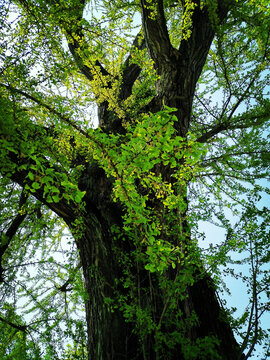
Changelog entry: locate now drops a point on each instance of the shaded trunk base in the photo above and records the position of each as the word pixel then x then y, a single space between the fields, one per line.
pixel 116 339
pixel 129 313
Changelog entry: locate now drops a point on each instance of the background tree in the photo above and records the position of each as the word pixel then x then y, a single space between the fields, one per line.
pixel 134 190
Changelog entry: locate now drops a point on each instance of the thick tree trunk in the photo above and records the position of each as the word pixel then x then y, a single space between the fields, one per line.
pixel 107 331
pixel 110 336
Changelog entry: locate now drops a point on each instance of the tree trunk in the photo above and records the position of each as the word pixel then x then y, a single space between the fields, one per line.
pixel 110 336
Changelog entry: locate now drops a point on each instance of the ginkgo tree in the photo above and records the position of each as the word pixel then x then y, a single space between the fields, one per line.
pixel 106 220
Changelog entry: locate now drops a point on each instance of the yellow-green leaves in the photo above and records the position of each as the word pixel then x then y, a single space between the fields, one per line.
pixel 186 26
pixel 150 165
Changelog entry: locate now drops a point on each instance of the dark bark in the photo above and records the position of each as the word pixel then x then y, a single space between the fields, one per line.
pixel 6 238
pixel 179 69
pixel 109 336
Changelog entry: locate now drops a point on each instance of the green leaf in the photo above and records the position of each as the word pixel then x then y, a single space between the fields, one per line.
pixel 56 198
pixel 79 195
pixel 31 175
pixel 36 185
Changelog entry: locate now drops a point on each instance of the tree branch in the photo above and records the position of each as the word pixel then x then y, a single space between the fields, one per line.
pixel 19 174
pixel 156 32
pixel 131 71
pixel 75 47
pixel 254 120
pixel 51 109
pixel 11 231
pixel 194 50
pixel 22 328
pixel 77 43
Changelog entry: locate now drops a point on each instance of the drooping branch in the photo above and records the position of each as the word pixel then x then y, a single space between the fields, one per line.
pixel 19 174
pixel 48 107
pixel 243 121
pixel 11 231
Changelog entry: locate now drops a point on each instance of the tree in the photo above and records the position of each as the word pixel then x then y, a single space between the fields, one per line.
pixel 133 191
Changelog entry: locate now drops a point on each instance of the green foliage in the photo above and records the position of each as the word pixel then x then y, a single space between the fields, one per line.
pixel 165 184
pixel 132 160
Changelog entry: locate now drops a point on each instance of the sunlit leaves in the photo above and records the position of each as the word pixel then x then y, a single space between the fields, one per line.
pixel 46 145
pixel 132 161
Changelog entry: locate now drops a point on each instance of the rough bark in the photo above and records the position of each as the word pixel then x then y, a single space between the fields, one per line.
pixel 109 336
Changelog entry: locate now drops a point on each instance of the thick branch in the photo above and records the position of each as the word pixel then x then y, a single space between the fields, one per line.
pixel 131 71
pixel 195 49
pixel 179 70
pixel 156 32
pixel 77 43
pixel 75 49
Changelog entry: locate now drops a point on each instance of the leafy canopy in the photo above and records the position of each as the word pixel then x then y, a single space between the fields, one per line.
pixel 47 137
